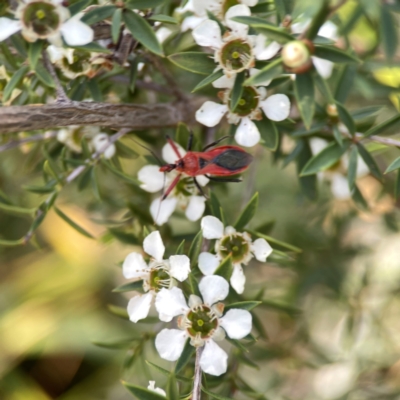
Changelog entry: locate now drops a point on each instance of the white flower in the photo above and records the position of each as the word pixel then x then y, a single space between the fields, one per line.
pixel 229 242
pixel 46 19
pixel 102 141
pixel 156 275
pixel 337 174
pixel 202 321
pixel 185 195
pixel 235 51
pixel 73 135
pixel 152 387
pixel 275 107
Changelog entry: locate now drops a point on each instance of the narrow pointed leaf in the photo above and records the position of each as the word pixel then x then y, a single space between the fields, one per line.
pixel 14 81
pixel 144 4
pixel 164 18
pixel 165 372
pixel 334 54
pixel 346 118
pixel 225 269
pixel 34 51
pixel 345 83
pixel 129 287
pixel 187 354
pixel 352 169
pixel 248 213
pixel 325 159
pixel 196 62
pixel 142 31
pixel 44 75
pixel 117 344
pixel 337 135
pixel 78 6
pixel 243 305
pixel 369 160
pixel 73 224
pixel 269 133
pixel 359 198
pixel 304 92
pixel 213 395
pixel 393 166
pixel 98 14
pixel 142 393
pixel 397 186
pixel 376 130
pixel 275 242
pixel 389 34
pixel 118 311
pixel 271 71
pixel 207 81
pixel 237 90
pixel 172 387
pixel 116 25
pixel 195 248
pixel 215 206
pixel 180 249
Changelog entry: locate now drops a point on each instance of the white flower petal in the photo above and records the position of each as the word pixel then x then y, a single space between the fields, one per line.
pixel 56 53
pixel 208 34
pixel 200 6
pixel 8 27
pixel 211 113
pixel 202 180
pixel 110 151
pixel 208 263
pixel 191 22
pixel 154 246
pixel 169 155
pixel 54 39
pixel 152 387
pixel 328 30
pixel 75 32
pixel 254 71
pixel 237 323
pixel 139 306
pixel 170 303
pixel 195 208
pixel 134 266
pixel 317 145
pixel 340 187
pixel 151 177
pixel 170 343
pixel 247 133
pixel 265 49
pixel 225 82
pixel 236 27
pixel 213 288
pixel 250 3
pixel 179 267
pixel 214 360
pixel 276 107
pixel 195 301
pixel 261 249
pixel 323 67
pixel 162 210
pixel 238 279
pixel 100 142
pixel 163 33
pixel 212 227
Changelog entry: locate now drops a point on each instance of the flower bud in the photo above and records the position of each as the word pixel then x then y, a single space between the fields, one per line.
pixel 332 111
pixel 296 56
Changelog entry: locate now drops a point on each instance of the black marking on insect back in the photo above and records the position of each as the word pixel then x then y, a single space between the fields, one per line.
pixel 202 162
pixel 233 159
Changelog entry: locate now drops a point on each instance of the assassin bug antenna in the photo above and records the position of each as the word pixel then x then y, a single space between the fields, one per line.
pixel 216 142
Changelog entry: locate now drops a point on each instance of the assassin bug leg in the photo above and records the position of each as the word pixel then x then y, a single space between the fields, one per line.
pixel 174 148
pixel 212 178
pixel 216 142
pixel 190 141
pixel 171 186
pixel 200 189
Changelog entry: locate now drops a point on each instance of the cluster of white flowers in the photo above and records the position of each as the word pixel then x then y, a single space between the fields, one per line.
pixel 202 320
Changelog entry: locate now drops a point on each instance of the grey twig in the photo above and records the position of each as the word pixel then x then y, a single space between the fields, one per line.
pixel 95 156
pixel 380 139
pixel 196 394
pixel 34 138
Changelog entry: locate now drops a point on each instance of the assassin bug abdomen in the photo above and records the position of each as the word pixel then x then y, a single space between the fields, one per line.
pixel 220 161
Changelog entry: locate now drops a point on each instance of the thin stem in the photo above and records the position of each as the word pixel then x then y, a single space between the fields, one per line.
pixel 379 139
pixel 34 138
pixel 95 156
pixel 61 95
pixel 197 375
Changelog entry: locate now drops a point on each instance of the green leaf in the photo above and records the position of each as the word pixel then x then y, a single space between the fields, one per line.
pixel 369 160
pixel 117 344
pixel 270 31
pixel 172 387
pixel 393 166
pixel 304 92
pixel 48 188
pixel 237 91
pixel 324 88
pixel 125 151
pixel 215 205
pixel 133 71
pixel 308 184
pixel 187 354
pixel 142 393
pixel 318 19
pixel 248 213
pixel 98 14
pixel 93 47
pixel 345 83
pixel 12 242
pixel 397 186
pixel 195 248
pixel 95 90
pixel 116 25
pixel 14 81
pixel 164 18
pixel 376 130
pixel 334 54
pixel 144 4
pixel 325 159
pixel 213 395
pixel 337 135
pixel 142 32
pixel 44 75
pixel 225 269
pixel 125 177
pixel 85 178
pixel 275 242
pixel 34 51
pixel 124 237
pixel 118 311
pixel 180 249
pixel 196 62
pixel 243 305
pixel 73 224
pixel 282 8
pixel 210 79
pixel 78 6
pixel 272 70
pixel 10 209
pixel 129 287
pixel 358 198
pixel 269 133
pixel 346 118
pixel 389 34
pixel 352 169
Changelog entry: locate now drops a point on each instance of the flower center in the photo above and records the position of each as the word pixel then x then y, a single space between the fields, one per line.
pixel 80 62
pixel 159 278
pixel 236 55
pixel 248 102
pixel 185 187
pixel 201 322
pixel 236 245
pixel 42 18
